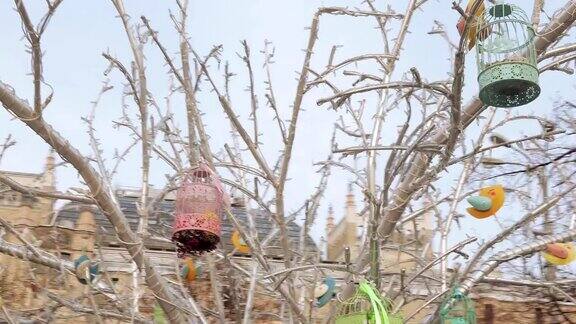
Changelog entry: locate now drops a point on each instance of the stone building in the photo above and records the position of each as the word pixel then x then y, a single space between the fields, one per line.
pixel 501 301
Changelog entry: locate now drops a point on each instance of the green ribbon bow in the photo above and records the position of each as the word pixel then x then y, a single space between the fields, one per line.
pixel 380 313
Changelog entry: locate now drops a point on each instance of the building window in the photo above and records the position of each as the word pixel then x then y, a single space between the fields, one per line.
pixel 115 280
pixel 10 198
pixel 489 313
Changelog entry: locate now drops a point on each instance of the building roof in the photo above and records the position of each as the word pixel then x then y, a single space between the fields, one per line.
pixel 160 225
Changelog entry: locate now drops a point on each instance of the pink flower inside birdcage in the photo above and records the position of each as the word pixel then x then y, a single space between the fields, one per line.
pixel 199 201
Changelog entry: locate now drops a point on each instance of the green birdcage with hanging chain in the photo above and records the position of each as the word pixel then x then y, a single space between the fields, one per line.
pixel 506 57
pixel 366 306
pixel 458 308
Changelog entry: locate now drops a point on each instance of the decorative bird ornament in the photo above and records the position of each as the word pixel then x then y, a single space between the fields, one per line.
pixel 239 243
pixel 189 271
pixel 487 203
pixel 472 30
pixel 325 291
pixel 86 269
pixel 560 253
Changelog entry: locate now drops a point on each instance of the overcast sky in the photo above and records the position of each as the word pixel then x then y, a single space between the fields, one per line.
pixel 82 30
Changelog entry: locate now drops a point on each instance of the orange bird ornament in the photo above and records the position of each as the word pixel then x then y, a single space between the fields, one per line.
pixel 560 253
pixel 472 30
pixel 487 203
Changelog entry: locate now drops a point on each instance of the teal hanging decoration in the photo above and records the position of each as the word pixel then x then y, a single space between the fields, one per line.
pixel 506 57
pixel 325 292
pixel 457 309
pixel 86 270
pixel 366 306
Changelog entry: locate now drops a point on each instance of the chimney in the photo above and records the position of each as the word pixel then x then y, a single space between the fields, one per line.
pixel 85 221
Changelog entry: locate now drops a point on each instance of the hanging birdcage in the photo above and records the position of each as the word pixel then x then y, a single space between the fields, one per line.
pixel 506 57
pixel 199 201
pixel 366 306
pixel 457 309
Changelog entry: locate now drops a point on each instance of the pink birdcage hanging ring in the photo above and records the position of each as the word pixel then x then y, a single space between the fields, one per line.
pixel 200 200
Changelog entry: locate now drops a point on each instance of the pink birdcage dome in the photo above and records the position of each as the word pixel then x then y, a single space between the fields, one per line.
pixel 200 200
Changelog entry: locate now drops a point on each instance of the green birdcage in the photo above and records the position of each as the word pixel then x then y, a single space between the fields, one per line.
pixel 366 306
pixel 159 316
pixel 506 57
pixel 457 309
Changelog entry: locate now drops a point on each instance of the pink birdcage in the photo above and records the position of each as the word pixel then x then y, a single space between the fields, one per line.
pixel 199 201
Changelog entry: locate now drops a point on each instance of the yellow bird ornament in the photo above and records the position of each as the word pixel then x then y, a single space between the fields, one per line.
pixel 487 203
pixel 472 30
pixel 239 243
pixel 560 253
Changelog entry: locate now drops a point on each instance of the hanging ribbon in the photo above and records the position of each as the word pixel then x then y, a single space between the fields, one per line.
pixel 380 312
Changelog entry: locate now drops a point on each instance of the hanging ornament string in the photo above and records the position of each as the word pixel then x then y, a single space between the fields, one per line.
pixel 380 313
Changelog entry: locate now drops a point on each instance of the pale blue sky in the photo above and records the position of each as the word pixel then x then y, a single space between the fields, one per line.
pixel 82 30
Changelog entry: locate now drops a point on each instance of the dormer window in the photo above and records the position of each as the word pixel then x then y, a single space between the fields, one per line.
pixel 65 255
